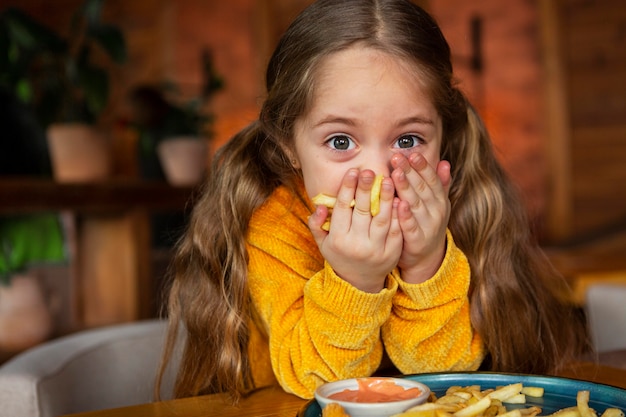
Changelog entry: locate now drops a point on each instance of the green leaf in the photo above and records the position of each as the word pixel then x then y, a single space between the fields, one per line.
pixel 28 33
pixel 95 83
pixel 111 39
pixel 27 240
pixel 92 11
pixel 23 90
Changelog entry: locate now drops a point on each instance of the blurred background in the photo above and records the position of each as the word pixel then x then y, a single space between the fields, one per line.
pixel 548 77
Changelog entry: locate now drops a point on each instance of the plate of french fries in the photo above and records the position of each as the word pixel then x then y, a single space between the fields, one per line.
pixel 486 394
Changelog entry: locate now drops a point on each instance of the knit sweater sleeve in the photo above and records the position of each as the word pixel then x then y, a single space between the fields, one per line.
pixel 429 328
pixel 320 328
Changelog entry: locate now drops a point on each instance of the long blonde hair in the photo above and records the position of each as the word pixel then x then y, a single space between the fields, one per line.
pixel 514 295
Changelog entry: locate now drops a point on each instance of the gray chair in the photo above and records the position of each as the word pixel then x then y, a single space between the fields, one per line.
pixel 108 367
pixel 606 318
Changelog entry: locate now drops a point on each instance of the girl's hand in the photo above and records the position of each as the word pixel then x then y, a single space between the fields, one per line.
pixel 423 213
pixel 360 248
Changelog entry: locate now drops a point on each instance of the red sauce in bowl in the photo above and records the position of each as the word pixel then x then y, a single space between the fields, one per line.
pixel 374 390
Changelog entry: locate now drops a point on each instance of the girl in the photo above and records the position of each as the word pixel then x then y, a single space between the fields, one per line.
pixel 357 88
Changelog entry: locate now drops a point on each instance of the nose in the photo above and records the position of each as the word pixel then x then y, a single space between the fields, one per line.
pixel 378 161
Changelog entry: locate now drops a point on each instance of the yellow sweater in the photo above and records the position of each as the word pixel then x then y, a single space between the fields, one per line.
pixel 311 326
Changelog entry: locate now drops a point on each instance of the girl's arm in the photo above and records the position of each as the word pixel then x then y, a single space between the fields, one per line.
pixel 429 329
pixel 320 327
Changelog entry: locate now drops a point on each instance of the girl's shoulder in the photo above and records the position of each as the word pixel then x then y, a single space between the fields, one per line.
pixel 285 206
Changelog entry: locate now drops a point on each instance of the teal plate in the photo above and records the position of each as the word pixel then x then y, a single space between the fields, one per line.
pixel 559 392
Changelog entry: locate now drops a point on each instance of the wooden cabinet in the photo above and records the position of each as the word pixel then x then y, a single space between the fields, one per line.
pixel 110 228
pixel 584 53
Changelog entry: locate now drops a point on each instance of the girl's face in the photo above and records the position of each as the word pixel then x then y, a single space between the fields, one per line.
pixel 367 105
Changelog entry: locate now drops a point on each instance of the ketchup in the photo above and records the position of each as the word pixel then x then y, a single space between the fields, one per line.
pixel 374 390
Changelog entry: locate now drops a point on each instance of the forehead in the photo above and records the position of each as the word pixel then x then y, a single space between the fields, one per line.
pixel 361 67
pixel 363 77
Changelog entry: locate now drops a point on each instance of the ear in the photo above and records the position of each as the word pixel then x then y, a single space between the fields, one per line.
pixel 291 156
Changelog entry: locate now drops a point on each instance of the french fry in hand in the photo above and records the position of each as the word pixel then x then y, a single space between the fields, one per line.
pixel 329 201
pixel 375 195
pixel 324 200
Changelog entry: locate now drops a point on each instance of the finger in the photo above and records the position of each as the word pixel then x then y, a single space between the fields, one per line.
pixel 445 175
pixel 407 181
pixel 408 222
pixel 394 238
pixel 316 222
pixel 342 212
pixel 427 181
pixel 363 194
pixel 395 231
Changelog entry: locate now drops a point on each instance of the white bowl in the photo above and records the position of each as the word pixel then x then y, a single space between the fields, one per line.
pixel 378 409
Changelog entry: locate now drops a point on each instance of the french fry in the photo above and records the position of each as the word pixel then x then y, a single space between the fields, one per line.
pixel 470 401
pixel 530 411
pixel 567 412
pixel 427 412
pixel 474 409
pixel 536 392
pixel 507 391
pixel 453 398
pixel 432 406
pixel 512 413
pixel 375 195
pixel 582 402
pixel 613 412
pixel 324 200
pixel 492 411
pixel 329 201
pixel 334 410
pixel 515 399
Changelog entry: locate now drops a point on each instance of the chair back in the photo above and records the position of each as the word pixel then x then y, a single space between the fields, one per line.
pixel 606 315
pixel 108 367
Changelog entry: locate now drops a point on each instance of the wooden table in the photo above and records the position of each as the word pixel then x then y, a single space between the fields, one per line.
pixel 273 402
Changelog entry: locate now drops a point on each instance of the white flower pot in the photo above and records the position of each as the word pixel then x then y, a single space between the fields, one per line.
pixel 184 159
pixel 79 153
pixel 25 315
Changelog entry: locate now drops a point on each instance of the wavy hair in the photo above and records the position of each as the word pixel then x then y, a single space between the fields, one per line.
pixel 515 294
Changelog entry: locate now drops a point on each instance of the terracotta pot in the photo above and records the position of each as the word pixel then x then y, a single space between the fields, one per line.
pixel 79 153
pixel 184 159
pixel 25 316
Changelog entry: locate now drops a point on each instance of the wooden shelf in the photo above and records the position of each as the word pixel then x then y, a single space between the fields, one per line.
pixel 31 195
pixel 109 240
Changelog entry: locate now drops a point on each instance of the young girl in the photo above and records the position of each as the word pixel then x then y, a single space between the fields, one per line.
pixel 358 88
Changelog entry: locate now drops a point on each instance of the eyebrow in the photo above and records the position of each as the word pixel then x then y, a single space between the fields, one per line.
pixel 330 119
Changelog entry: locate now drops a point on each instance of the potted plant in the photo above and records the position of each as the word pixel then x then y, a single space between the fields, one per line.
pixel 58 77
pixel 25 312
pixel 174 133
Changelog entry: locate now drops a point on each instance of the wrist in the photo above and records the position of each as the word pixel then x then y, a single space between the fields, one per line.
pixel 424 269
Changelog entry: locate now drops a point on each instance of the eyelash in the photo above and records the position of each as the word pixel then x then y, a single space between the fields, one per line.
pixel 417 140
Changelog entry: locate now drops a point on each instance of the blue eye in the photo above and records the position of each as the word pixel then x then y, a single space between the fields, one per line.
pixel 407 141
pixel 341 143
